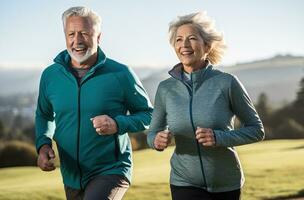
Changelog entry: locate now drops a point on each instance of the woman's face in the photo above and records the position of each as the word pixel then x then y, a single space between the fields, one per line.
pixel 189 47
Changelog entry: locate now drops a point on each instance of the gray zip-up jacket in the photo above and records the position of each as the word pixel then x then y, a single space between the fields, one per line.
pixel 211 99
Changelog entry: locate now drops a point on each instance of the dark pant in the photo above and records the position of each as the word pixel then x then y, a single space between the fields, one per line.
pixel 194 193
pixel 105 187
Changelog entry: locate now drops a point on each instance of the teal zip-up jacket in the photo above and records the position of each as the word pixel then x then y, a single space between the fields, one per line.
pixel 109 88
pixel 211 99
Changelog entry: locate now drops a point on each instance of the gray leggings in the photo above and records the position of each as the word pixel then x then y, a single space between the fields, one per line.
pixel 104 187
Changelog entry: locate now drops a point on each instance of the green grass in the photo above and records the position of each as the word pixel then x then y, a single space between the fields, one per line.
pixel 273 170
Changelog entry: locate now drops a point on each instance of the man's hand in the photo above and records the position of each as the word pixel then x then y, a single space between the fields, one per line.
pixel 104 125
pixel 162 140
pixel 205 136
pixel 46 158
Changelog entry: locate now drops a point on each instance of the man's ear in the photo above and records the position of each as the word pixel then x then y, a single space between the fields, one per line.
pixel 98 38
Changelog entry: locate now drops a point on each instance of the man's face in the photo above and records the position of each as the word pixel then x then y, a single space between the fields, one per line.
pixel 81 39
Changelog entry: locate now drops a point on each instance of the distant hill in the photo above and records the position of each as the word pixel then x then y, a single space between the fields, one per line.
pixel 17 80
pixel 278 77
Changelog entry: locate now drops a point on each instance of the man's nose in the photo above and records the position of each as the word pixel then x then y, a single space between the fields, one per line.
pixel 78 38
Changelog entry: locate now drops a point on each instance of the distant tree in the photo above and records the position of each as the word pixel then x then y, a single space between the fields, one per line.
pixel 2 134
pixel 300 94
pixel 298 105
pixel 263 107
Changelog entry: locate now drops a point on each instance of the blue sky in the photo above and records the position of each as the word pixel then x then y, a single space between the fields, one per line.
pixel 135 32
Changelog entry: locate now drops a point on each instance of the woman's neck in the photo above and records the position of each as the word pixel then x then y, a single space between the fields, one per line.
pixel 192 68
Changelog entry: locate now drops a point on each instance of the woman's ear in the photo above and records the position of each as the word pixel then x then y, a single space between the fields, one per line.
pixel 207 48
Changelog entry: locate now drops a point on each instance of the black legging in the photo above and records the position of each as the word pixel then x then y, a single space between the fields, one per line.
pixel 194 193
pixel 101 187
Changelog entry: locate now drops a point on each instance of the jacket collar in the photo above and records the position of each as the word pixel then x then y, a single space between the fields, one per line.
pixel 197 77
pixel 64 59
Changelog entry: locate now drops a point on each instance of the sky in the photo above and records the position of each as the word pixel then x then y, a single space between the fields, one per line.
pixel 135 32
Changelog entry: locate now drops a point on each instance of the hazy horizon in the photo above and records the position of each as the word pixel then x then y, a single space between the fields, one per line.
pixel 41 66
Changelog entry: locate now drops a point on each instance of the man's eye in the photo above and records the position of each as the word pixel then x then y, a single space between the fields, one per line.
pixel 192 38
pixel 178 39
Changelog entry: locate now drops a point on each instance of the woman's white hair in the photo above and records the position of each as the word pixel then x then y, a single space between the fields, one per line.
pixel 83 12
pixel 205 26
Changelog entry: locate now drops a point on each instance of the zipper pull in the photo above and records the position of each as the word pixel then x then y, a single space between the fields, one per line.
pixel 167 128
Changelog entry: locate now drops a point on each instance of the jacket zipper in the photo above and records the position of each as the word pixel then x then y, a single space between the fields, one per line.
pixel 190 90
pixel 78 137
pixel 194 130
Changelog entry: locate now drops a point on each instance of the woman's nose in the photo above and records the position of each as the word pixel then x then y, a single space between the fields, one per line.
pixel 186 43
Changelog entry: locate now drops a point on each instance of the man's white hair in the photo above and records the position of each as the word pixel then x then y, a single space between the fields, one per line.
pixel 83 12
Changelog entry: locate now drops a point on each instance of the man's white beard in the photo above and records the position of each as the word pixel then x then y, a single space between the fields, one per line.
pixel 81 59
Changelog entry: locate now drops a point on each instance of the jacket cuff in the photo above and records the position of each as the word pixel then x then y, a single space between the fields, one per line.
pixel 121 123
pixel 218 139
pixel 42 142
pixel 150 140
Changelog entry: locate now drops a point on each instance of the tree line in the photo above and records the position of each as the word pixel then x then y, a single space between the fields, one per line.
pixel 17 137
pixel 286 122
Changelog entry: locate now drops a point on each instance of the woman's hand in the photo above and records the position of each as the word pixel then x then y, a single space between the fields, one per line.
pixel 162 140
pixel 205 136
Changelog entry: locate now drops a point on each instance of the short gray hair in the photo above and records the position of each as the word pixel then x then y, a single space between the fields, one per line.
pixel 205 27
pixel 83 12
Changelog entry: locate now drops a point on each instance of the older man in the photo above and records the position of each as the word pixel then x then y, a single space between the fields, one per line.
pixel 88 96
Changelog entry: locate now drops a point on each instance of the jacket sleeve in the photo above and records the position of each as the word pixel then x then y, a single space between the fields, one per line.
pixel 242 106
pixel 137 103
pixel 44 117
pixel 158 117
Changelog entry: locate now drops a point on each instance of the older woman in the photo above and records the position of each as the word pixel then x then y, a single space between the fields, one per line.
pixel 198 105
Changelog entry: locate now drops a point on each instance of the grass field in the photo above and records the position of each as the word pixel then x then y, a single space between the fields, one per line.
pixel 273 170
